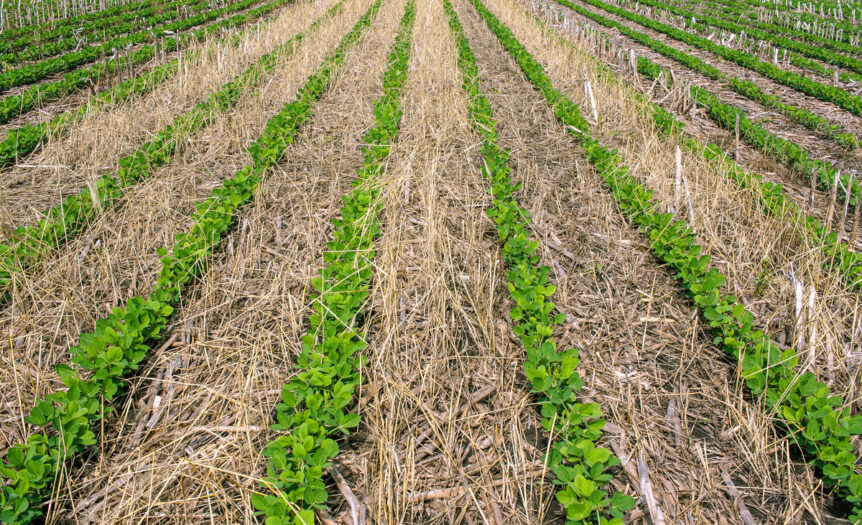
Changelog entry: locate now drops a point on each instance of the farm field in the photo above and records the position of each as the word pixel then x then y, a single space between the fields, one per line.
pixel 493 262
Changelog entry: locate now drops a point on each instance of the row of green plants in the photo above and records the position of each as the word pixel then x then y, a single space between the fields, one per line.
pixel 745 88
pixel 773 199
pixel 30 244
pixel 837 96
pixel 819 423
pixel 580 467
pixel 838 59
pixel 740 10
pixel 120 342
pixel 748 16
pixel 795 59
pixel 30 73
pixel 15 105
pixel 90 30
pixel 315 404
pixel 793 155
pixel 36 50
pixel 26 139
pixel 118 13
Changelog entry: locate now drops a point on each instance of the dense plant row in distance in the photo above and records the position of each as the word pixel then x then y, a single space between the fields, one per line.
pixel 47 13
pixel 37 51
pixel 773 198
pixel 121 341
pixel 725 115
pixel 21 37
pixel 580 467
pixel 34 72
pixel 15 105
pixel 30 244
pixel 798 60
pixel 738 14
pixel 814 419
pixel 839 254
pixel 314 408
pixel 743 9
pixel 22 141
pixel 818 52
pixel 837 96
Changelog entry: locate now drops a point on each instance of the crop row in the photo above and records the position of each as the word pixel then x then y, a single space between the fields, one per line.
pixel 63 27
pixel 817 52
pixel 818 422
pixel 796 59
pixel 743 10
pixel 11 44
pixel 750 18
pixel 36 51
pixel 13 106
pixel 121 341
pixel 839 97
pixel 24 140
pixel 745 88
pixel 577 463
pixel 315 403
pixel 34 72
pixel 30 244
pixel 773 199
pixel 793 155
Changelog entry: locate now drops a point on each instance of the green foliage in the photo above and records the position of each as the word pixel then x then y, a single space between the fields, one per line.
pixel 819 52
pixel 745 88
pixel 21 37
pixel 121 341
pixel 774 200
pixel 314 407
pixel 742 10
pixel 38 47
pixel 578 465
pixel 838 96
pixel 30 73
pixel 817 421
pixel 772 196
